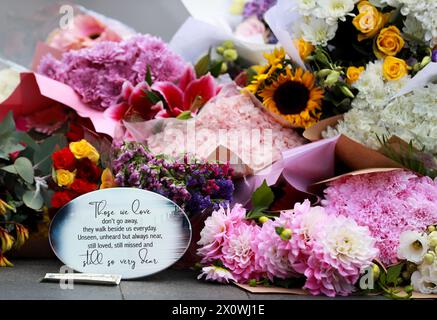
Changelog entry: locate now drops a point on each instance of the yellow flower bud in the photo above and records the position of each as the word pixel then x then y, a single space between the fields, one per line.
pixel 394 68
pixel 431 229
pixel 64 178
pixel 376 271
pixel 83 149
pixel 286 234
pixel 263 219
pixel 353 74
pixel 230 55
pixel 228 44
pixel 429 257
pixel 389 42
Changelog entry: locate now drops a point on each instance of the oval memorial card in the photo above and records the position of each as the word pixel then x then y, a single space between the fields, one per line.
pixel 122 231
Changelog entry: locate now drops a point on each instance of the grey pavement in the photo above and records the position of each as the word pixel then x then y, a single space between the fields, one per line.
pixel 22 282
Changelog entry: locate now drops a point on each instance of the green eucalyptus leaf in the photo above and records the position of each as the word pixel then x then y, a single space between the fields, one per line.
pixel 42 157
pixel 10 169
pixel 24 169
pixel 8 124
pixel 33 200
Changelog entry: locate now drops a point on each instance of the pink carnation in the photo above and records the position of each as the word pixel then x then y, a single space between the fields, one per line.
pixel 387 203
pixel 97 74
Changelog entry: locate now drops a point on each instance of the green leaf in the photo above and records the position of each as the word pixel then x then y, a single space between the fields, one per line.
pixel 33 200
pixel 202 66
pixel 216 69
pixel 24 169
pixel 8 124
pixel 149 76
pixel 10 169
pixel 153 97
pixel 263 196
pixel 393 273
pixel 184 115
pixel 42 157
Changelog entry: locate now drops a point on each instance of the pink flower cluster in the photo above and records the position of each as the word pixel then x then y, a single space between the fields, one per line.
pixel 227 237
pixel 387 203
pixel 97 74
pixel 329 252
pixel 233 121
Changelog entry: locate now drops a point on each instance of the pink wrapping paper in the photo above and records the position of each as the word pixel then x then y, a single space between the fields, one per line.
pixel 36 92
pixel 301 167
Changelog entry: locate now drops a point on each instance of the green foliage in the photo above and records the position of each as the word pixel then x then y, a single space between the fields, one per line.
pixel 416 160
pixel 262 199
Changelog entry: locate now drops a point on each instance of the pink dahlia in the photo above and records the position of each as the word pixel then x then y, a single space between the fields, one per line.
pixel 98 73
pixel 215 232
pixel 272 254
pixel 341 251
pixel 388 203
pixel 238 253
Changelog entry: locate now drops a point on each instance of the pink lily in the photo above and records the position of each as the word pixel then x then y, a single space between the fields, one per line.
pixel 189 95
pixel 134 102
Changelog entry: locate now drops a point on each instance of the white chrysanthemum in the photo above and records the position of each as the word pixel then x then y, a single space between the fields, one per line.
pixel 413 246
pixel 413 27
pixel 424 279
pixel 425 11
pixel 334 10
pixel 9 80
pixel 306 7
pixel 316 31
pixel 214 226
pixel 348 242
pixel 214 273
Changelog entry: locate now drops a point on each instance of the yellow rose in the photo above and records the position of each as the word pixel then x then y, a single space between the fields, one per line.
pixel 83 149
pixel 305 48
pixel 353 74
pixel 394 68
pixel 108 180
pixel 369 20
pixel 389 42
pixel 64 178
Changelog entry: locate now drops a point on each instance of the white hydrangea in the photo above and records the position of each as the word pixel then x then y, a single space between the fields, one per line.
pixel 410 117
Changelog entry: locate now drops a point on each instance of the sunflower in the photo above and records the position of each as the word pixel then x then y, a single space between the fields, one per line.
pixel 294 97
pixel 275 61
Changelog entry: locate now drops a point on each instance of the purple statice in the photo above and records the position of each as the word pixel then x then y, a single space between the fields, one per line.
pixel 98 73
pixel 194 185
pixel 434 55
pixel 257 8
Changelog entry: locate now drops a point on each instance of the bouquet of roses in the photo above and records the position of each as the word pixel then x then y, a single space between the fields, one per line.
pixel 76 171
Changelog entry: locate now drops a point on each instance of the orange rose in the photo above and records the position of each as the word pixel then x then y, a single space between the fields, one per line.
pixel 369 20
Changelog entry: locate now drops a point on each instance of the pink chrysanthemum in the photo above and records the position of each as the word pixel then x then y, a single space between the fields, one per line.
pixel 216 230
pixel 97 74
pixel 238 254
pixel 387 203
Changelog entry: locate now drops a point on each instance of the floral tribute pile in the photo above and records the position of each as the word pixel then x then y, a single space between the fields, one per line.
pixel 140 115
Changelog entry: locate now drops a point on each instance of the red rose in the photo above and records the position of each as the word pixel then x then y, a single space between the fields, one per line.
pixel 61 198
pixel 64 159
pixel 75 133
pixel 87 170
pixel 82 186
